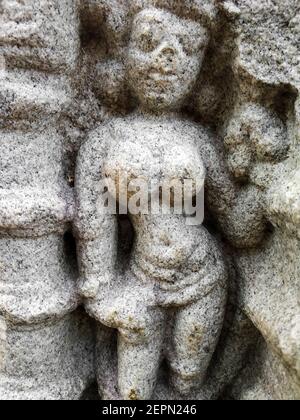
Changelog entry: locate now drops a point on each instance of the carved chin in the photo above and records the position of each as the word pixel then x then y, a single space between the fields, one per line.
pixel 162 99
pixel 166 93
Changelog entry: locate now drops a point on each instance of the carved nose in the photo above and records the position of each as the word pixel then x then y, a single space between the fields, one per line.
pixel 167 58
pixel 168 54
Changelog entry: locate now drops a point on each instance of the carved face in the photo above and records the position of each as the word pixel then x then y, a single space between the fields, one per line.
pixel 164 58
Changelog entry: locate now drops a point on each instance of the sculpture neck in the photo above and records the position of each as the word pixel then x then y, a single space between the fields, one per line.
pixel 157 113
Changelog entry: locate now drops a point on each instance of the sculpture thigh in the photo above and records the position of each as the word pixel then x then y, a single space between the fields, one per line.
pixel 195 335
pixel 139 362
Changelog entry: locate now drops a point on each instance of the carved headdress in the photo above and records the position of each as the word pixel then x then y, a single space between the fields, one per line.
pixel 115 16
pixel 200 10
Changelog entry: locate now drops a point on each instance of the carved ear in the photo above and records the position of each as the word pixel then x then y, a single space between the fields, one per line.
pixel 206 7
pixel 108 16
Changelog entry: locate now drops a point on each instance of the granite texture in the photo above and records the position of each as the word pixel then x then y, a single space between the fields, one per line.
pixel 151 306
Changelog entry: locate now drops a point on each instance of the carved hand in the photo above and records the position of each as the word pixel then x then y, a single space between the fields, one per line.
pixel 254 136
pixel 89 286
pixel 121 307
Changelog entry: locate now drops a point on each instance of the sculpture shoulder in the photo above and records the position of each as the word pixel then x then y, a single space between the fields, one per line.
pixel 97 141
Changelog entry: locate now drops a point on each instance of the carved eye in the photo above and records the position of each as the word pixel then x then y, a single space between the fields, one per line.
pixel 147 42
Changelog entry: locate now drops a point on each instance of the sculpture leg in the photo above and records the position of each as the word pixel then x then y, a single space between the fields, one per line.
pixel 195 335
pixel 139 361
pixel 106 362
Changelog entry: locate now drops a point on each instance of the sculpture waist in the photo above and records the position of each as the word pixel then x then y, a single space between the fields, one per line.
pixel 176 278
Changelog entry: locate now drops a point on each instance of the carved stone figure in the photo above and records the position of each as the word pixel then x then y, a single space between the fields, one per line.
pixel 169 302
pixel 110 286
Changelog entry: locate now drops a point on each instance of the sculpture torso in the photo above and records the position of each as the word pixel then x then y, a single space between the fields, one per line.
pixel 155 152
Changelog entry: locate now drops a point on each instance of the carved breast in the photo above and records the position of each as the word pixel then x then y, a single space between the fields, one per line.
pixel 153 153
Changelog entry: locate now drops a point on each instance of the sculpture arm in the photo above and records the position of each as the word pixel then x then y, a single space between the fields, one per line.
pixel 95 229
pixel 239 210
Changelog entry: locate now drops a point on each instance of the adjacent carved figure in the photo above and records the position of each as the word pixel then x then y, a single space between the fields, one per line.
pixel 38 296
pixel 169 303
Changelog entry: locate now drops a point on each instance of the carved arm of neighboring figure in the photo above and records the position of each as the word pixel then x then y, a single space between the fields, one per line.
pixel 256 141
pixel 95 229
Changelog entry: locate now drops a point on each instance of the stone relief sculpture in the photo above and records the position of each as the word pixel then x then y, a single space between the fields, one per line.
pixel 99 98
pixel 170 302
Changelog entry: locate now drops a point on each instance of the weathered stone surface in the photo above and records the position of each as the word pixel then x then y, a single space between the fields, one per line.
pixel 46 346
pixel 98 94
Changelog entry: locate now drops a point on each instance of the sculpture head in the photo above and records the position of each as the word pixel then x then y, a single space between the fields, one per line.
pixel 165 55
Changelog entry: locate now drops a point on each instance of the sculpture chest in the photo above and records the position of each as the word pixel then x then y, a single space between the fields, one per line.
pixel 153 152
